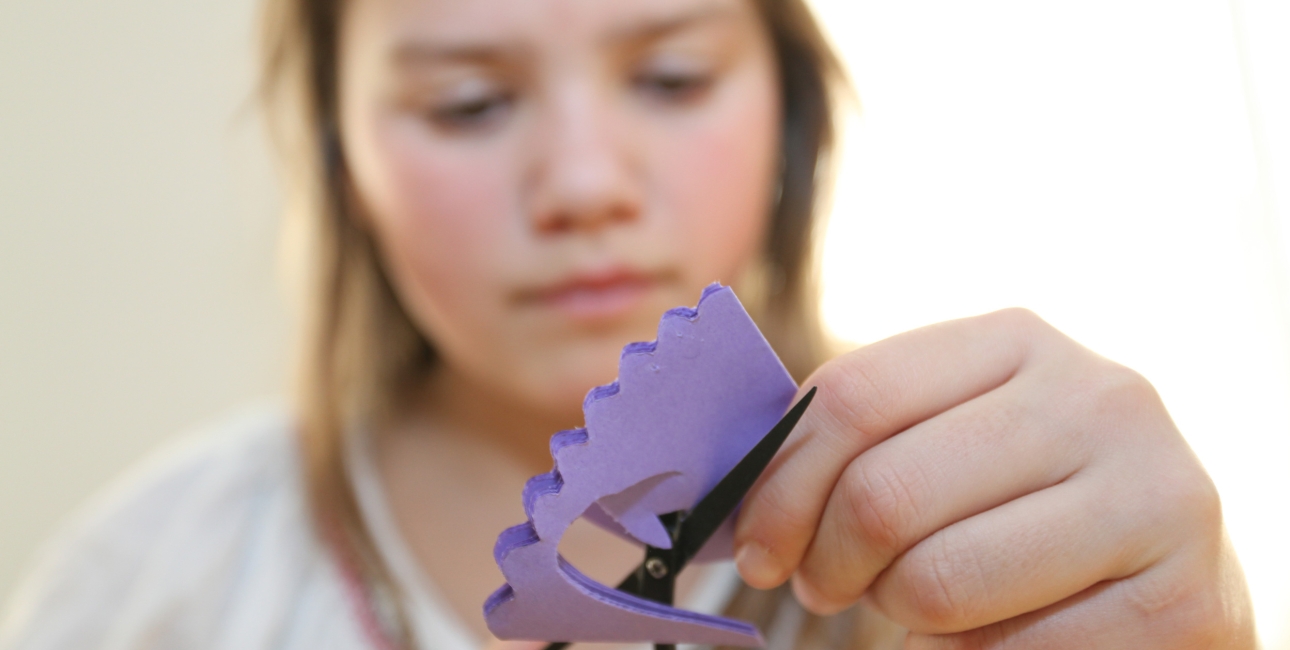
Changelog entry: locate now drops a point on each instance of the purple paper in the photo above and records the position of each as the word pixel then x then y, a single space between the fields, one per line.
pixel 685 409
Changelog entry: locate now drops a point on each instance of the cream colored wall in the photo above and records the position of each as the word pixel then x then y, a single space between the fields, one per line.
pixel 137 236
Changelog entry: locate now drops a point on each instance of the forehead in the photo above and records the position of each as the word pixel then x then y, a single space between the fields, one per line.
pixel 528 23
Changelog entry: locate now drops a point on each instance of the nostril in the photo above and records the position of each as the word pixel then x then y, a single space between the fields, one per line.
pixel 584 193
pixel 586 219
pixel 626 213
pixel 555 225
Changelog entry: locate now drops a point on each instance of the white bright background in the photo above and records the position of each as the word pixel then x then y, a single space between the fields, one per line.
pixel 1114 165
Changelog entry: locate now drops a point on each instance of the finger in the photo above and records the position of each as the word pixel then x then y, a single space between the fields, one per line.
pixel 938 472
pixel 1074 623
pixel 1022 556
pixel 497 644
pixel 1156 609
pixel 865 397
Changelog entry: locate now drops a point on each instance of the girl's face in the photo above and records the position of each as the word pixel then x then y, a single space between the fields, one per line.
pixel 545 178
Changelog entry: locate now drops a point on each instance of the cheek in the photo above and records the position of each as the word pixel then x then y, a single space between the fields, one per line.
pixel 441 215
pixel 720 181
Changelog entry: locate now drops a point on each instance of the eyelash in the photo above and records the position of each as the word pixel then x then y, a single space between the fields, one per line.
pixel 677 88
pixel 479 113
pixel 472 114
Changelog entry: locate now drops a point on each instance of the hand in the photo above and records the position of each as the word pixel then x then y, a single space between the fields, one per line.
pixel 989 483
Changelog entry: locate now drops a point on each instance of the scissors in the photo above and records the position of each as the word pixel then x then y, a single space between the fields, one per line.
pixel 655 577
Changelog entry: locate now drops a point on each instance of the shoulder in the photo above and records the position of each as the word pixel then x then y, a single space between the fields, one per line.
pixel 216 471
pixel 205 544
pixel 196 493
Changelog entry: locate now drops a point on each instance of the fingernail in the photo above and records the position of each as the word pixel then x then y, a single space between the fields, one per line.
pixel 758 567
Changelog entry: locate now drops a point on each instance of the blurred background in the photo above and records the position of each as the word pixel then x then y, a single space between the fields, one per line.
pixel 1122 167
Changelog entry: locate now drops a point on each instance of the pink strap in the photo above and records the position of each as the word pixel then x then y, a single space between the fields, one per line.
pixel 360 598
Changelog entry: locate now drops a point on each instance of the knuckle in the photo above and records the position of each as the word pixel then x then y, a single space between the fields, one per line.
pixel 1120 391
pixel 819 595
pixel 881 505
pixel 1199 491
pixel 853 393
pixel 1020 317
pixel 1176 487
pixel 1190 614
pixel 938 583
pixel 1025 324
pixel 1183 492
pixel 1201 499
pixel 1111 401
pixel 771 517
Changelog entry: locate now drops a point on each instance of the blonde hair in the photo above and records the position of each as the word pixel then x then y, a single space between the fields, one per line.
pixel 361 354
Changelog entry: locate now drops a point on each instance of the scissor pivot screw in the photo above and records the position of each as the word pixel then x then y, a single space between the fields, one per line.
pixel 657 568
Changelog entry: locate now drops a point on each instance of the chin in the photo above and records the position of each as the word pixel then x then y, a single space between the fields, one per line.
pixel 565 381
pixel 569 365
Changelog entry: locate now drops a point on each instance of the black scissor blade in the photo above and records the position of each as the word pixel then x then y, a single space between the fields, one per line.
pixel 707 516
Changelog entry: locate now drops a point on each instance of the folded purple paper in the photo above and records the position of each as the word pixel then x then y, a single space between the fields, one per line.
pixel 684 410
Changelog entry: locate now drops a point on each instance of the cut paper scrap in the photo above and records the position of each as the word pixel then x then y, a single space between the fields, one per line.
pixel 684 410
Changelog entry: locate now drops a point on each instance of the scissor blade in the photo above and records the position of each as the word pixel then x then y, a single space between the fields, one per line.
pixel 712 510
pixel 707 516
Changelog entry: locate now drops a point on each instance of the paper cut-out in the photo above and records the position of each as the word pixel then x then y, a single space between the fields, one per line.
pixel 684 410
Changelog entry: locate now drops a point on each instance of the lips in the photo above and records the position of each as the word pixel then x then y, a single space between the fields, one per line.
pixel 591 297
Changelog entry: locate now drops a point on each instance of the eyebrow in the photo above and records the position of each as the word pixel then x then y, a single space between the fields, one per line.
pixel 655 27
pixel 415 52
pixel 425 51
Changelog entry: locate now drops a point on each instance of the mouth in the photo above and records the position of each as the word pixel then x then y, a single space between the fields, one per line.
pixel 597 296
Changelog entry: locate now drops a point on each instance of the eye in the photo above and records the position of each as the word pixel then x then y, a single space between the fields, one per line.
pixel 470 114
pixel 474 109
pixel 673 84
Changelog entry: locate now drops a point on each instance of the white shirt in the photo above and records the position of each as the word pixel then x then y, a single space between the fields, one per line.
pixel 209 545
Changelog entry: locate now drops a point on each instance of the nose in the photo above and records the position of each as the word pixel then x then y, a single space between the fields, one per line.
pixel 582 171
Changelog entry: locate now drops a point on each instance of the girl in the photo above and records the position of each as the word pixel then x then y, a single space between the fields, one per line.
pixel 491 198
